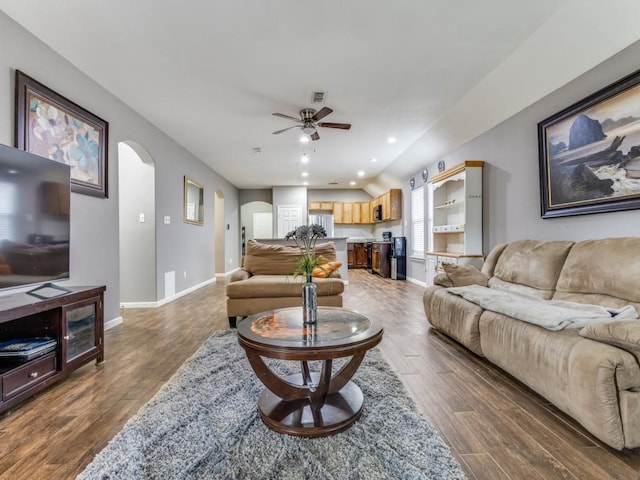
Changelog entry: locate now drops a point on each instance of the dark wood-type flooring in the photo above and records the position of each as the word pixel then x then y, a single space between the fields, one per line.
pixel 495 427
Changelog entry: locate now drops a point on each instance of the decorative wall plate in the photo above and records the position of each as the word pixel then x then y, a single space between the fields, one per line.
pixel 441 166
pixel 425 174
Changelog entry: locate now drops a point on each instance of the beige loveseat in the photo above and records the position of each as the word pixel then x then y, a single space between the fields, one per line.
pixel 590 372
pixel 266 280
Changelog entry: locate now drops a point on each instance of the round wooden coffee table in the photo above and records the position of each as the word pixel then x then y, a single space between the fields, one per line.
pixel 309 404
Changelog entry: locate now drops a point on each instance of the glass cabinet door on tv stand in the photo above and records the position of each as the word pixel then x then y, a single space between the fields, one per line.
pixel 80 335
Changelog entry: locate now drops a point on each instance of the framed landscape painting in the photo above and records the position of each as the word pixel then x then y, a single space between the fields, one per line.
pixel 589 153
pixel 52 126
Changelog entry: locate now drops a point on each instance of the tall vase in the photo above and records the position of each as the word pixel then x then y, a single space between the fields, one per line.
pixel 309 301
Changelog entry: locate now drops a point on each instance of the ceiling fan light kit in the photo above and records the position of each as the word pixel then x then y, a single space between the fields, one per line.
pixel 310 121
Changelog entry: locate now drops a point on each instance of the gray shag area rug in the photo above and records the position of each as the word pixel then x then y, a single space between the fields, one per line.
pixel 204 424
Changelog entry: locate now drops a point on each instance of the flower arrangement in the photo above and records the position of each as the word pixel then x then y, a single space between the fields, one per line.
pixel 306 237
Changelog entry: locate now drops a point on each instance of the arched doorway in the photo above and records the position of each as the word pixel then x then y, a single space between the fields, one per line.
pixel 136 182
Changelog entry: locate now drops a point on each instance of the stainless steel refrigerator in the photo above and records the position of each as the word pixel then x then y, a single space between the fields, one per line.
pixel 399 258
pixel 324 220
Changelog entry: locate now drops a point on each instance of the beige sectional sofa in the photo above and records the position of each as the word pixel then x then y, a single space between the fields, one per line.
pixel 266 280
pixel 590 372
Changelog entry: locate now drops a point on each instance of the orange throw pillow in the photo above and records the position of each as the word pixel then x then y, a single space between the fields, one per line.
pixel 324 270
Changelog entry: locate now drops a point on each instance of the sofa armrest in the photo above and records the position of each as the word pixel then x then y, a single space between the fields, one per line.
pixel 239 275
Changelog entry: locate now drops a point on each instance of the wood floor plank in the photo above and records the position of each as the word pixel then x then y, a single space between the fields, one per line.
pixel 496 427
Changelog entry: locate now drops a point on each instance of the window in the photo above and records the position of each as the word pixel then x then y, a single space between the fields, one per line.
pixel 417 222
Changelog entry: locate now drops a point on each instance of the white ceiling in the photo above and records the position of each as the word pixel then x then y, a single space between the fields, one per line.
pixel 210 73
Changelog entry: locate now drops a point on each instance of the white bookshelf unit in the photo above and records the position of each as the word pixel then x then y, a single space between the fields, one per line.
pixel 455 218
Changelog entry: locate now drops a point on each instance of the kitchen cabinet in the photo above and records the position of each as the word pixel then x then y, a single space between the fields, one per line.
pixel 365 213
pixel 361 255
pixel 337 212
pixel 455 217
pixel 322 206
pixel 357 254
pixel 381 259
pixel 347 212
pixel 361 213
pixel 351 255
pixel 391 202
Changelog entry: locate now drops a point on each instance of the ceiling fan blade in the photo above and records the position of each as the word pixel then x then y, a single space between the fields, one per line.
pixel 285 129
pixel 343 126
pixel 323 112
pixel 286 116
pixel 315 136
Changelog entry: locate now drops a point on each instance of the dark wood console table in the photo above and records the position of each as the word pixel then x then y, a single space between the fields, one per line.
pixel 74 319
pixel 309 404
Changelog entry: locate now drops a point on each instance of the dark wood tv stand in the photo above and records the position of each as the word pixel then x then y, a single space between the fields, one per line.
pixel 74 319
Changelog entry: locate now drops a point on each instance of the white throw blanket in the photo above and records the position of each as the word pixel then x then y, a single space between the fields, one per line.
pixel 550 314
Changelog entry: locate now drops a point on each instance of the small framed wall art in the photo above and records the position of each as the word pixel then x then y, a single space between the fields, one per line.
pixel 53 126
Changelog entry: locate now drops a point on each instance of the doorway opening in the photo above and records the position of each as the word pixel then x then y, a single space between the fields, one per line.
pixel 136 181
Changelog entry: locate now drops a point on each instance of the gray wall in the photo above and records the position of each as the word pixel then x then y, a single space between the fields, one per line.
pixel 511 177
pixel 94 221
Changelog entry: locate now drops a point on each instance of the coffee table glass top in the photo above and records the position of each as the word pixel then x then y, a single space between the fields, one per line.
pixel 285 327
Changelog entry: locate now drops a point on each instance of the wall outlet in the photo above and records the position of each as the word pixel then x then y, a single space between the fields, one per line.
pixel 141 218
pixel 167 219
pixel 185 274
pixel 230 261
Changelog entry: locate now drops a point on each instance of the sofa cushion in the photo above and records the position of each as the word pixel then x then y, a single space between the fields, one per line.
pixel 264 259
pixel 262 286
pixel 531 266
pixel 443 280
pixel 593 270
pixel 624 334
pixel 463 275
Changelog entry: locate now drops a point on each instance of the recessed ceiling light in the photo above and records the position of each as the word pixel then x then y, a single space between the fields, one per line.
pixel 391 140
pixel 305 174
pixel 374 160
pixel 304 139
pixel 304 158
pixel 305 183
pixel 352 182
pixel 361 173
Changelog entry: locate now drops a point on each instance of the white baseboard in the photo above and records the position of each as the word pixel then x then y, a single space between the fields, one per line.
pixel 226 274
pixel 112 323
pixel 417 282
pixel 166 300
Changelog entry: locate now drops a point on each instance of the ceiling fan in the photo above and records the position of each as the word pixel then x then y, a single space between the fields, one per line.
pixel 310 120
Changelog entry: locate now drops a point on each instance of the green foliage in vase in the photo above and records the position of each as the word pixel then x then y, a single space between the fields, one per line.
pixel 306 237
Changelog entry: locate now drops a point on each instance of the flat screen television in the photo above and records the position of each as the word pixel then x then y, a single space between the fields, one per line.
pixel 34 219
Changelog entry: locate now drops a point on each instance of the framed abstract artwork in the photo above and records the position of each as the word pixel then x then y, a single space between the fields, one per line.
pixel 589 153
pixel 52 126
